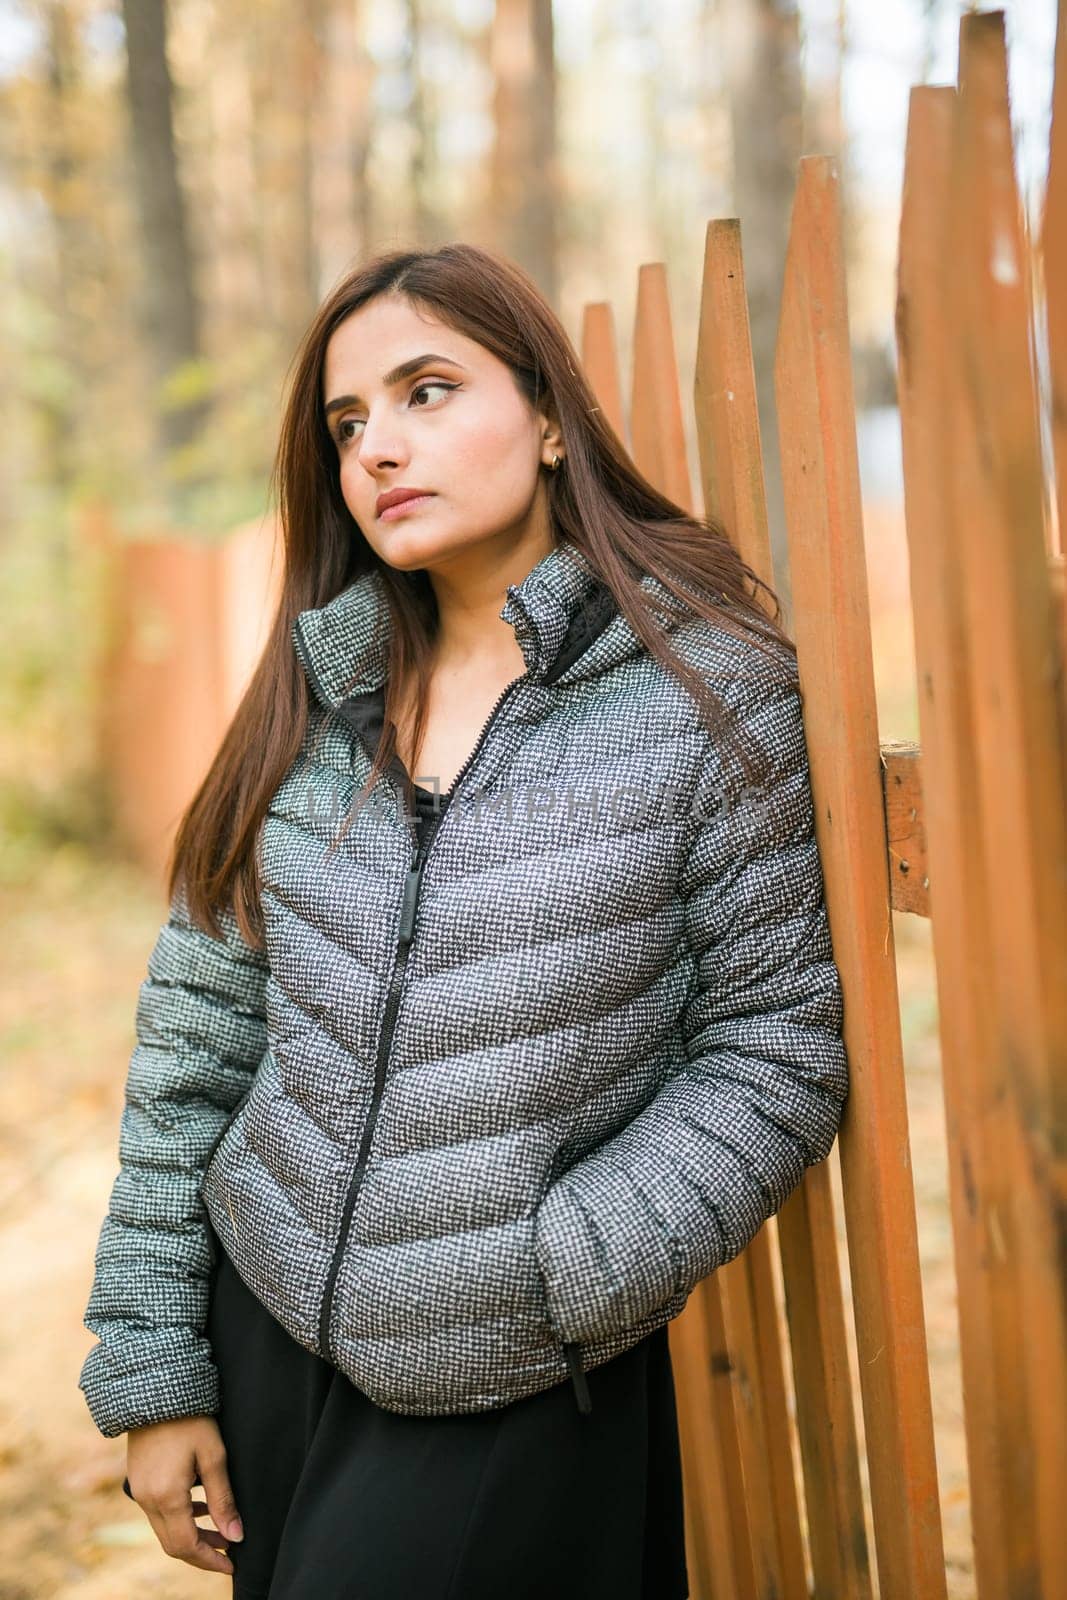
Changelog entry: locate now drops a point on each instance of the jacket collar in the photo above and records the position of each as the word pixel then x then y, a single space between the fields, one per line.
pixel 558 612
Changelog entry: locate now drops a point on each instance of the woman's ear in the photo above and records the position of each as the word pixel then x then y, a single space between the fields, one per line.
pixel 552 445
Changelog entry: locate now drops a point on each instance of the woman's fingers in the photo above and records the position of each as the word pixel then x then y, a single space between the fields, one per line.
pixel 217 1490
pixel 180 1537
pixel 219 1540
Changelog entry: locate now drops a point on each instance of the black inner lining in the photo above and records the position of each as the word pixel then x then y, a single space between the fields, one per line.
pixel 365 712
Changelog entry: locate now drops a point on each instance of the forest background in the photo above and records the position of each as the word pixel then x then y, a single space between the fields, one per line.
pixel 179 186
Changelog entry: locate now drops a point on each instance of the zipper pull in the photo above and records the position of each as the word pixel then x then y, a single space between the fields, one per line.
pixel 578 1378
pixel 411 895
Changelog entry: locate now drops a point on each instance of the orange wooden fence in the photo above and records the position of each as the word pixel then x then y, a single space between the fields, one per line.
pixel 970 830
pixel 185 627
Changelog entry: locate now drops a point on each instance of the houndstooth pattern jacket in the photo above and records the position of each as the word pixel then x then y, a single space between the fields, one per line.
pixel 487 1108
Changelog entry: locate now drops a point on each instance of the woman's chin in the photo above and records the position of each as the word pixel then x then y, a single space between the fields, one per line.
pixel 407 547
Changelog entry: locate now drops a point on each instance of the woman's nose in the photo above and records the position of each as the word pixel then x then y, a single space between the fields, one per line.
pixel 381 446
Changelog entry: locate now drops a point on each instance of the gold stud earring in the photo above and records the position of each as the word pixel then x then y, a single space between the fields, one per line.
pixel 555 463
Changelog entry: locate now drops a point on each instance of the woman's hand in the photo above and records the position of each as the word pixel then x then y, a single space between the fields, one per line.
pixel 163 1461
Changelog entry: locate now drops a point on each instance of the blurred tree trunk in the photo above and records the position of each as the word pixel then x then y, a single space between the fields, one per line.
pixel 429 226
pixel 307 38
pixel 762 39
pixel 59 404
pixel 347 219
pixel 523 187
pixel 261 72
pixel 170 310
pixel 236 298
pixel 288 77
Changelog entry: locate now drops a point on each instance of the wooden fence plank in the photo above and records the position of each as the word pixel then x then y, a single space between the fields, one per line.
pixel 1053 251
pixel 724 392
pixel 659 450
pixel 656 424
pixel 770 1330
pixel 249 576
pixel 995 1414
pixel 751 1357
pixel 1057 577
pixel 163 712
pixel 600 362
pixel 732 464
pixel 813 381
pixel 748 1549
pixel 999 536
pixel 711 1546
pixel 829 1449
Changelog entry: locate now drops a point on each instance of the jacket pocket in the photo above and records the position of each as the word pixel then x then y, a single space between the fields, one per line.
pixel 224 1130
pixel 570 1350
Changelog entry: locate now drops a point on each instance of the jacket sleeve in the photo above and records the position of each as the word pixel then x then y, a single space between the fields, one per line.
pixel 693 1176
pixel 200 1034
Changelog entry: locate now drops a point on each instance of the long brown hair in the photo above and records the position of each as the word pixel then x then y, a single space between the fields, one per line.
pixel 598 499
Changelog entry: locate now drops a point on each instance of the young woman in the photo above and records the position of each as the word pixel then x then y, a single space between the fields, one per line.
pixel 496 1006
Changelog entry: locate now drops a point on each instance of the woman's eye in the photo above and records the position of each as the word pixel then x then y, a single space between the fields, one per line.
pixel 433 385
pixel 345 438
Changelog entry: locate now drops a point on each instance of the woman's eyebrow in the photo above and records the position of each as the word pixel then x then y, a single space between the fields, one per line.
pixel 406 369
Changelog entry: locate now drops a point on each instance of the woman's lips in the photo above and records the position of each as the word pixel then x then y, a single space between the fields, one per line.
pixel 391 512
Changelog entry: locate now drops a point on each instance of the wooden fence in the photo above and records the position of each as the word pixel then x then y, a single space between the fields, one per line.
pixel 185 625
pixel 969 830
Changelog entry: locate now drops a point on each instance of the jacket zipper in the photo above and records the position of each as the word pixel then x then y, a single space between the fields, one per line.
pixel 406 935
pixel 571 1351
pixel 408 909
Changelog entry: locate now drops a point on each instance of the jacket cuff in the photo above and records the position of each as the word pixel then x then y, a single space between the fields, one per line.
pixel 119 1398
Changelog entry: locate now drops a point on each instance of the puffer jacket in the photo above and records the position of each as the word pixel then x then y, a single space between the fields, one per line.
pixel 499 1094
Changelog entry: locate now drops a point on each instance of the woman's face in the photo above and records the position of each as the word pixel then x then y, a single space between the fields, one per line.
pixel 454 426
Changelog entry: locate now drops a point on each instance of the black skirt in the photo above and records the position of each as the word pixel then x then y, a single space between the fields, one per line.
pixel 342 1500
